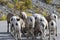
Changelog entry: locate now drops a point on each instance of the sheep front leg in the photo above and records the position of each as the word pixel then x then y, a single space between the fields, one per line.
pixel 54 34
pixel 43 35
pixel 20 34
pixel 49 33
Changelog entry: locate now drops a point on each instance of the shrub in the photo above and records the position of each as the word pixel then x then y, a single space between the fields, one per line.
pixel 29 14
pixel 48 1
pixel 44 13
pixel 3 2
pixel 58 9
pixel 10 5
pixel 3 17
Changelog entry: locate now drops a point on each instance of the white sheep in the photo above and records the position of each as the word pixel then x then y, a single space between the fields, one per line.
pixel 23 15
pixel 39 17
pixel 18 24
pixel 54 17
pixel 43 30
pixel 30 24
pixel 52 28
pixel 42 18
pixel 40 29
pixel 39 23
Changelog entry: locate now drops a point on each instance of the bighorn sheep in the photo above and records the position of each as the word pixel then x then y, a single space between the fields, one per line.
pixel 53 28
pixel 52 17
pixel 30 24
pixel 17 24
pixel 8 20
pixel 40 20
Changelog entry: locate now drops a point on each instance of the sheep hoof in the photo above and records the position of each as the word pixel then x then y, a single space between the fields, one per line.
pixel 7 31
pixel 19 39
pixel 56 34
pixel 53 38
pixel 41 39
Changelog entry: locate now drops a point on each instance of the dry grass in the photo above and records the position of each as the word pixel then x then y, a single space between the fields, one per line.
pixel 58 9
pixel 28 14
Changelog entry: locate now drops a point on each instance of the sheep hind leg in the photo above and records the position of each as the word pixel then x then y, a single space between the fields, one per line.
pixel 7 27
pixel 54 35
pixel 56 31
pixel 17 36
pixel 42 36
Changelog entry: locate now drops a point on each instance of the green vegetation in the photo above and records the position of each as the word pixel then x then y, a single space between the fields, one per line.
pixel 4 2
pixel 49 1
pixel 58 9
pixel 44 13
pixel 23 5
pixel 10 5
pixel 28 14
pixel 3 17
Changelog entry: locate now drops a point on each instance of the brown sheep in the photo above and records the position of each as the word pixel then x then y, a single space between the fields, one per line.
pixel 48 18
pixel 8 20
